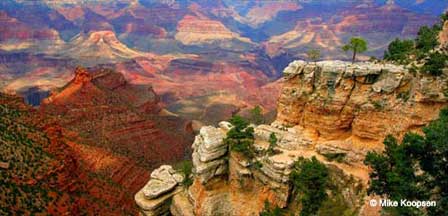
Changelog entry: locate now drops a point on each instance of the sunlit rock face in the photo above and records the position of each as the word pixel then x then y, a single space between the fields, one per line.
pixel 326 108
pixel 443 36
pixel 352 107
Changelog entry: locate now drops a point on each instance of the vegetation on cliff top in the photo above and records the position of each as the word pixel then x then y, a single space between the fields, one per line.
pixel 186 168
pixel 422 50
pixel 29 182
pixel 415 169
pixel 356 45
pixel 241 137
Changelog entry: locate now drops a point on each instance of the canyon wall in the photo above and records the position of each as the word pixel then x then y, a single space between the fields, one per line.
pixel 325 108
pixel 351 108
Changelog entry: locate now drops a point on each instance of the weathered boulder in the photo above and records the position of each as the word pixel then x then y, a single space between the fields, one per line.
pixel 163 180
pixel 208 152
pixel 154 198
pixel 157 206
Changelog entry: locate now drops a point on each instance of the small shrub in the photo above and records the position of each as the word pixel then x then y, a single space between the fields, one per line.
pixel 272 144
pixel 338 157
pixel 404 95
pixel 270 211
pixel 399 51
pixel 257 165
pixel 310 180
pixel 313 54
pixel 185 167
pixel 427 38
pixel 256 115
pixel 435 64
pixel 241 137
pixel 379 105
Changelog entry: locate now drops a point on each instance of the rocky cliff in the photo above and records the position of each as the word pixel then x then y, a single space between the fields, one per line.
pixel 325 109
pixel 443 36
pixel 351 108
pixel 117 129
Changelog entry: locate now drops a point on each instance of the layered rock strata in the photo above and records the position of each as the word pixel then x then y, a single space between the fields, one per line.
pixel 350 108
pixel 332 110
pixel 228 183
pixel 208 153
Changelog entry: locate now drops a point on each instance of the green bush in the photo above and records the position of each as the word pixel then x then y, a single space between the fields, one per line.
pixel 270 211
pixel 272 144
pixel 427 38
pixel 399 51
pixel 434 65
pixel 415 169
pixel 310 180
pixel 185 167
pixel 256 115
pixel 241 137
pixel 404 95
pixel 339 157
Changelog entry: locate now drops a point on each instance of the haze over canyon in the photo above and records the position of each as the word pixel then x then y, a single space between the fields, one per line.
pixel 122 107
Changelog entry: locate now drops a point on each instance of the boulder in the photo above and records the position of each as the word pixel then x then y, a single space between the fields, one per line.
pixel 154 198
pixel 208 152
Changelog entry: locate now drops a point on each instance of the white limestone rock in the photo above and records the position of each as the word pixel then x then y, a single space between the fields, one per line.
pixel 163 180
pixel 208 152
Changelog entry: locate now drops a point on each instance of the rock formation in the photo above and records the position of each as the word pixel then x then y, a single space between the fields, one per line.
pixel 154 198
pixel 351 108
pixel 115 129
pixel 443 36
pixel 325 108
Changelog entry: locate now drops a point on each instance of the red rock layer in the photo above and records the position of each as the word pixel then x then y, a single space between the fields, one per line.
pixel 12 29
pixel 115 129
pixel 71 188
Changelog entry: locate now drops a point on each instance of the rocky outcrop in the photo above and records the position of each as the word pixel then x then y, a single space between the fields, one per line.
pixel 209 151
pixel 443 36
pixel 350 108
pixel 154 198
pixel 332 110
pixel 116 130
pixel 228 183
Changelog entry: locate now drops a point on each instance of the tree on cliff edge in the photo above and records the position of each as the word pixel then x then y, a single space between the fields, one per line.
pixel 416 169
pixel 357 45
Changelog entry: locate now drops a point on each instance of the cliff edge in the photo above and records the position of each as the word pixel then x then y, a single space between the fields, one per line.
pixel 332 110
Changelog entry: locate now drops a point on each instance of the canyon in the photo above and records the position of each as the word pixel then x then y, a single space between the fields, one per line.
pixel 325 108
pixel 105 133
pixel 222 54
pixel 104 104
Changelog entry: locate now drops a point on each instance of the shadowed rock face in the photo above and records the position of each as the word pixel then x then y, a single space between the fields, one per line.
pixel 39 162
pixel 115 127
pixel 103 108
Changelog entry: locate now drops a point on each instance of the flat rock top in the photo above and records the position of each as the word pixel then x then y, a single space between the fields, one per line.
pixel 297 66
